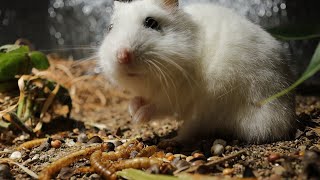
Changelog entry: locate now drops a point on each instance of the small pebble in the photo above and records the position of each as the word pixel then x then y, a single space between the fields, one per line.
pixel 35 157
pixel 94 177
pixel 198 162
pixel 170 158
pixel 182 164
pixel 181 156
pixel 95 139
pixel 15 155
pixel 168 154
pixel 311 134
pixel 217 149
pixel 301 153
pixel 196 151
pixel 111 146
pixel 117 143
pixel 199 156
pixel 221 142
pixel 227 171
pixel 189 158
pixel 76 131
pixel 273 157
pixel 175 161
pixel 82 138
pixel 133 154
pixel 228 148
pixel 56 143
pixel 110 137
pixel 102 133
pixel 302 148
pixel 119 132
pixel 69 142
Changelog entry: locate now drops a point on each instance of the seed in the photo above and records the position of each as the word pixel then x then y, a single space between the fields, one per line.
pixel 82 138
pixel 170 158
pixel 273 157
pixel 56 143
pixel 95 139
pixel 198 162
pixel 199 156
pixel 227 171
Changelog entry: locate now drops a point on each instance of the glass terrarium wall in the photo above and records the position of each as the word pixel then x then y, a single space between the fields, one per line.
pixel 76 27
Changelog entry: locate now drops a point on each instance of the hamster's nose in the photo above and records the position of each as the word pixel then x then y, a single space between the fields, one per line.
pixel 124 56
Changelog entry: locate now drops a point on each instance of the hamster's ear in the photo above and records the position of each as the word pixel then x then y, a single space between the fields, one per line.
pixel 171 3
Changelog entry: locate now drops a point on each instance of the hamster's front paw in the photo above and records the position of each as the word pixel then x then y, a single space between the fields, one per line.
pixel 140 111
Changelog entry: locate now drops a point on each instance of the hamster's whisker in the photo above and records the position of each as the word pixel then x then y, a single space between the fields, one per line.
pixel 183 71
pixel 228 92
pixel 68 49
pixel 162 76
pixel 170 77
pixel 92 58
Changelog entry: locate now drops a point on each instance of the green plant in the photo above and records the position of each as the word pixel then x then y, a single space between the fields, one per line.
pixel 297 33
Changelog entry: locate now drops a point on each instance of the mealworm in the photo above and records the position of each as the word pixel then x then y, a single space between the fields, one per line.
pixel 56 166
pixel 31 144
pixel 99 167
pixel 136 163
pixel 147 151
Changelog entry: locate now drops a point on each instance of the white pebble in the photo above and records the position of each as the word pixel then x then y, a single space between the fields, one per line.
pixel 70 142
pixel 217 149
pixel 15 155
pixel 35 157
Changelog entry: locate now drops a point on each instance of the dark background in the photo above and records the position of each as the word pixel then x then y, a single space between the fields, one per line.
pixel 58 24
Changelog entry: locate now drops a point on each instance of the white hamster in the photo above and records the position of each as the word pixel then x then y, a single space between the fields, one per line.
pixel 205 63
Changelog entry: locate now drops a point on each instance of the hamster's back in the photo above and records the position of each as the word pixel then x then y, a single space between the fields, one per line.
pixel 242 64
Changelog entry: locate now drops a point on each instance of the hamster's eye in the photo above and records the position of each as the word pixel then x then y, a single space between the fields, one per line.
pixel 110 27
pixel 151 23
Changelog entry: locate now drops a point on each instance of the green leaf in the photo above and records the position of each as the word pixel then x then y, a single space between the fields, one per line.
pixel 39 60
pixel 296 31
pixel 133 174
pixel 12 64
pixel 14 49
pixel 313 67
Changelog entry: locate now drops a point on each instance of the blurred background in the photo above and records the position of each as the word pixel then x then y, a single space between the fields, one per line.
pixel 75 27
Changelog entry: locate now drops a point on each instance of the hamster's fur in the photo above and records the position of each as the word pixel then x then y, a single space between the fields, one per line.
pixel 207 64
